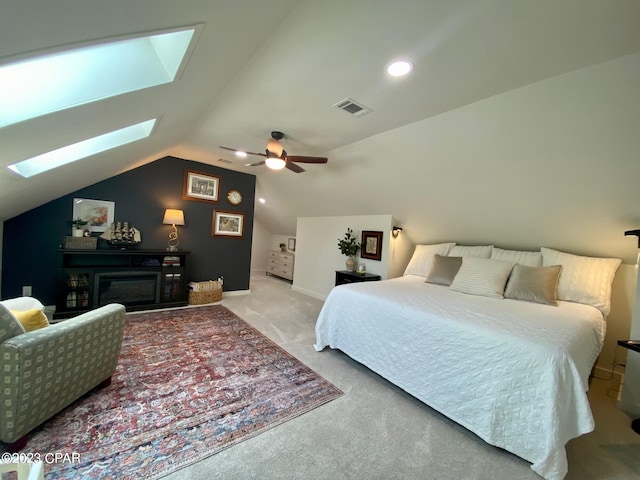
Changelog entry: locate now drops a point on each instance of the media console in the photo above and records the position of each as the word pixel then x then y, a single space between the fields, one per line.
pixel 138 279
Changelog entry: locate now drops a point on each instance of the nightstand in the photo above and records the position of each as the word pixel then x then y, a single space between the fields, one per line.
pixel 635 346
pixel 344 276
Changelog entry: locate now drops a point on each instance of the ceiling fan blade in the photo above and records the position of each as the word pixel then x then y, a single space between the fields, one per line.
pixel 248 153
pixel 294 168
pixel 299 159
pixel 254 164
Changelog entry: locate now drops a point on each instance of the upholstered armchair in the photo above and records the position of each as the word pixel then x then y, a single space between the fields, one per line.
pixel 45 370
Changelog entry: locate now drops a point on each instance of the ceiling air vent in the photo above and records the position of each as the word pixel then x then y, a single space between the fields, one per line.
pixel 352 107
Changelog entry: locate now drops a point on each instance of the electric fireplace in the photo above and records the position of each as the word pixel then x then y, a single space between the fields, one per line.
pixel 128 288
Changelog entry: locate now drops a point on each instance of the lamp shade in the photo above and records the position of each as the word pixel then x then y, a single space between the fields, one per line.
pixel 173 217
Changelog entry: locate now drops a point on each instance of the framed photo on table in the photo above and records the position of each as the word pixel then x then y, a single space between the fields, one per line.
pixel 201 187
pixel 371 245
pixel 227 224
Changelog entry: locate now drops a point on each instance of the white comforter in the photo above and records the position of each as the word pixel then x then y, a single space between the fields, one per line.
pixel 515 373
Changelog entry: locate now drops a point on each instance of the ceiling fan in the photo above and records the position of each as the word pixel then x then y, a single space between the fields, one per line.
pixel 276 156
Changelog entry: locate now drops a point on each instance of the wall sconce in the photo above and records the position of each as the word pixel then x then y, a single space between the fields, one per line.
pixel 173 217
pixel 395 231
pixel 634 232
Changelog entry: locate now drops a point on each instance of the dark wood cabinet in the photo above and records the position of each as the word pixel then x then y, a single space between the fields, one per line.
pixel 139 279
pixel 344 276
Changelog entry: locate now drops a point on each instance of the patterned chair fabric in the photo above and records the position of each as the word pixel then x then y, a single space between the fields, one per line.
pixel 43 371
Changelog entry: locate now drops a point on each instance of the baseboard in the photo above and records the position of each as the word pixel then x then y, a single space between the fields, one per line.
pixel 235 293
pixel 308 292
pixel 603 373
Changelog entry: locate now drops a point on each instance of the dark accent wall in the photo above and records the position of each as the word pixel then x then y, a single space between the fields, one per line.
pixel 31 240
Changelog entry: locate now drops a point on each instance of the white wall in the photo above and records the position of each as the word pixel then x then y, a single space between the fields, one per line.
pixel 260 243
pixel 277 239
pixel 623 291
pixel 318 256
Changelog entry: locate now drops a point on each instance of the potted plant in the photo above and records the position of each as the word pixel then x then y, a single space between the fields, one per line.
pixel 349 246
pixel 283 247
pixel 77 225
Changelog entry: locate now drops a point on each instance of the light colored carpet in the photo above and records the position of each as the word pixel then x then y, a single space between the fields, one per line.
pixel 377 431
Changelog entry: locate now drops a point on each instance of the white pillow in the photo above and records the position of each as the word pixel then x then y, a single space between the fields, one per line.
pixel 530 259
pixel 422 258
pixel 583 279
pixel 464 251
pixel 482 276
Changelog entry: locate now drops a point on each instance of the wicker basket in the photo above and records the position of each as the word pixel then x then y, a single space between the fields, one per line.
pixel 204 292
pixel 80 243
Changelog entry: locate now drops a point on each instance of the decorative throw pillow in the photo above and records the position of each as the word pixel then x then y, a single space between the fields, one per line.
pixel 443 270
pixel 9 326
pixel 532 259
pixel 583 279
pixel 31 319
pixel 422 258
pixel 482 276
pixel 468 251
pixel 533 284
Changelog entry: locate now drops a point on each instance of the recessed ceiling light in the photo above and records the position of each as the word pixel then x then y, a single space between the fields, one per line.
pixel 400 68
pixel 262 200
pixel 241 154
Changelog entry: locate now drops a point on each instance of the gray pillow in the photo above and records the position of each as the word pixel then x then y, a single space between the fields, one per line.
pixel 533 284
pixel 443 270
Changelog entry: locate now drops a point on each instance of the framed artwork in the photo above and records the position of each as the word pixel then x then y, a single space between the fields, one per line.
pixel 201 187
pixel 227 224
pixel 96 215
pixel 291 244
pixel 371 245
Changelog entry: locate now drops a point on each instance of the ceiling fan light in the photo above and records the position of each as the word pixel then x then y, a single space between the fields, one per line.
pixel 275 163
pixel 274 147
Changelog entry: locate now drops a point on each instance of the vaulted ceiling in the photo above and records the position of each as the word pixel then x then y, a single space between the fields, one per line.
pixel 495 136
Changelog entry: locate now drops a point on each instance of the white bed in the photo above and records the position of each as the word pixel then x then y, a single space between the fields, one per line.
pixel 513 372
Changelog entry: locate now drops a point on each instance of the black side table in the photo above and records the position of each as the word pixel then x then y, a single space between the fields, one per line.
pixel 635 346
pixel 344 276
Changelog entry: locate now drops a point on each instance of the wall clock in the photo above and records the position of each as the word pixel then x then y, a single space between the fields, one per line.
pixel 234 197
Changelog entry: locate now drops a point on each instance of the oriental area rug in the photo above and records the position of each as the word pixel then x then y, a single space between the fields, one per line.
pixel 190 382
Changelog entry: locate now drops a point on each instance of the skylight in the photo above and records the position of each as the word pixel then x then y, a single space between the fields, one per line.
pixel 52 82
pixel 77 151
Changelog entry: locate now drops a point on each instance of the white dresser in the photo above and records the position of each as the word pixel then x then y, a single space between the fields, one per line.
pixel 280 264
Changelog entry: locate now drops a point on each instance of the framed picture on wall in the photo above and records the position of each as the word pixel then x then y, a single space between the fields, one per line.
pixel 96 215
pixel 371 245
pixel 201 187
pixel 227 224
pixel 291 244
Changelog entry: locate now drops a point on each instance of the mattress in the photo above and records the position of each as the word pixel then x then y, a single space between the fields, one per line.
pixel 515 373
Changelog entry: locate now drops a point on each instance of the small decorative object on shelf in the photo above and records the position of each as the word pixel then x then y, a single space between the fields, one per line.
pixel 121 235
pixel 362 269
pixel 78 230
pixel 283 247
pixel 349 246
